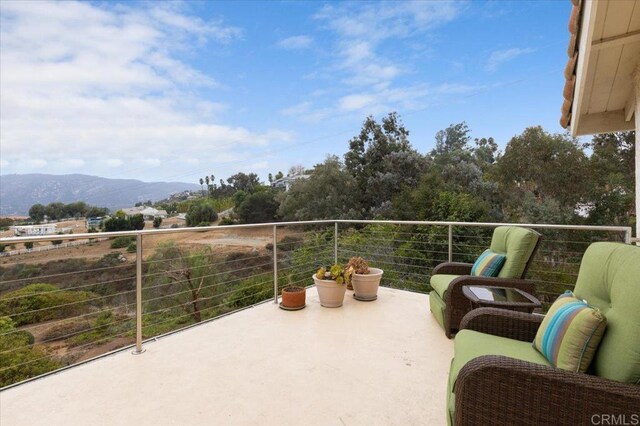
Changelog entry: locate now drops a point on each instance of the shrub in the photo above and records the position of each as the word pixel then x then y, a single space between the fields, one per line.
pixel 157 221
pixel 174 226
pixel 201 213
pixel 131 248
pixel 42 302
pixel 121 242
pixel 227 221
pixel 66 329
pixel 2 247
pixel 28 245
pixel 20 360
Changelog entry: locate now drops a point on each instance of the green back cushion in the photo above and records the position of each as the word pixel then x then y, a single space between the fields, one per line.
pixel 609 278
pixel 570 333
pixel 517 244
pixel 488 264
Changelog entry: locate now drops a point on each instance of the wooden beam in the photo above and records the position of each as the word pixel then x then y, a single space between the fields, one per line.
pixel 619 40
pixel 604 122
pixel 589 8
pixel 630 107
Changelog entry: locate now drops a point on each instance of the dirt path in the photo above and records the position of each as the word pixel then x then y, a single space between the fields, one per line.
pixel 223 239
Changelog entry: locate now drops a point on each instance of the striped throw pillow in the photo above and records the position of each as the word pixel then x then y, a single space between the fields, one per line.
pixel 488 264
pixel 570 333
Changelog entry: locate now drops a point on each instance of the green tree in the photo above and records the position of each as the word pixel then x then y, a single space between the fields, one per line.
pixel 546 166
pixel 93 211
pixel 201 213
pixel 611 193
pixel 55 211
pixel 327 194
pixel 382 162
pixel 37 212
pixel 258 208
pixel 157 221
pixel 136 222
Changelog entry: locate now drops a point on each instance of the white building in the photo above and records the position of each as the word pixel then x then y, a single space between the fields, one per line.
pixel 35 230
pixel 287 181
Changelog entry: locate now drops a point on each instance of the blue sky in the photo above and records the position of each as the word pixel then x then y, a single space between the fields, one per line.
pixel 174 91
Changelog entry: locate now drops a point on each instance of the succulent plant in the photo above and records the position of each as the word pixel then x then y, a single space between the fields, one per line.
pixel 359 265
pixel 337 273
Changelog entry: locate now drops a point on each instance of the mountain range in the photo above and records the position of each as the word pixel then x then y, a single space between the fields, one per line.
pixel 18 192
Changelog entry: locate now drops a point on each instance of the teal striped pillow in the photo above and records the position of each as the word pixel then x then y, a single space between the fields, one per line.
pixel 488 264
pixel 570 333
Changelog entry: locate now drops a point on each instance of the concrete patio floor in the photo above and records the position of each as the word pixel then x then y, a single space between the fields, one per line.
pixel 368 363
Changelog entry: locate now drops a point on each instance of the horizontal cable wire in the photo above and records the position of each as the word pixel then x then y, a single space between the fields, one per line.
pixel 73 348
pixel 3 299
pixel 30 327
pixel 39 277
pixel 86 330
pixel 206 298
pixel 70 304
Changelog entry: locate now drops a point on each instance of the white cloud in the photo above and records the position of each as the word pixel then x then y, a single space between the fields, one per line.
pixel 296 42
pixel 297 109
pixel 106 87
pixel 356 102
pixel 4 163
pixel 499 57
pixel 74 162
pixel 152 161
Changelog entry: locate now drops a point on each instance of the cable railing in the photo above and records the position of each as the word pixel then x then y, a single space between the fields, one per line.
pixel 93 299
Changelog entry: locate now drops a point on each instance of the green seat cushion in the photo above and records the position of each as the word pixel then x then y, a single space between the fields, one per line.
pixel 437 307
pixel 570 333
pixel 517 244
pixel 488 264
pixel 440 283
pixel 471 344
pixel 609 279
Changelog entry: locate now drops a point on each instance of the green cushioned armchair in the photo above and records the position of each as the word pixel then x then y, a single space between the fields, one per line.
pixel 498 377
pixel 447 303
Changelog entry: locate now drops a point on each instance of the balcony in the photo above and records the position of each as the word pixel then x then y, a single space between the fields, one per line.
pixel 365 363
pixel 217 350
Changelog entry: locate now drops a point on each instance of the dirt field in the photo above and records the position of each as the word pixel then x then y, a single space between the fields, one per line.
pixel 223 239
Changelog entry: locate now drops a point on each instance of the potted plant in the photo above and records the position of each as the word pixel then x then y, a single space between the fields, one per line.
pixel 293 298
pixel 365 280
pixel 332 284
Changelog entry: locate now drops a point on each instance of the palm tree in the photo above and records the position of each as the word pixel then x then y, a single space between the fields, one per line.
pixel 201 183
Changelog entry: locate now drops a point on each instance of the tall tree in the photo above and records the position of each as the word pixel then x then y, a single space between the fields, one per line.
pixel 326 194
pixel 382 162
pixel 551 168
pixel 611 195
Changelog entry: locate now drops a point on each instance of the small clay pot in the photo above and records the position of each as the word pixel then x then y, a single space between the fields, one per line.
pixel 294 297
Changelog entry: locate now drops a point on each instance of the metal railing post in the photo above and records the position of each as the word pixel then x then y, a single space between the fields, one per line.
pixel 450 243
pixel 139 348
pixel 335 243
pixel 275 264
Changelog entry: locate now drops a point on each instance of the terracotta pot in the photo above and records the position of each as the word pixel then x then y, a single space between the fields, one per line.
pixel 331 293
pixel 294 297
pixel 365 286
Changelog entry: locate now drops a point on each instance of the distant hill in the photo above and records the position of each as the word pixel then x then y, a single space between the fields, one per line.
pixel 19 192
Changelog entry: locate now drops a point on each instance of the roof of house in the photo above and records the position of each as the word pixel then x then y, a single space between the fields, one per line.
pixel 603 52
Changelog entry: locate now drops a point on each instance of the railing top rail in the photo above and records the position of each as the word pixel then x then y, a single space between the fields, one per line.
pixel 15 240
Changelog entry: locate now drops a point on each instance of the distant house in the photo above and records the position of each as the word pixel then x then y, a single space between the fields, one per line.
pixel 35 230
pixel 131 211
pixel 149 213
pixel 287 181
pixel 94 222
